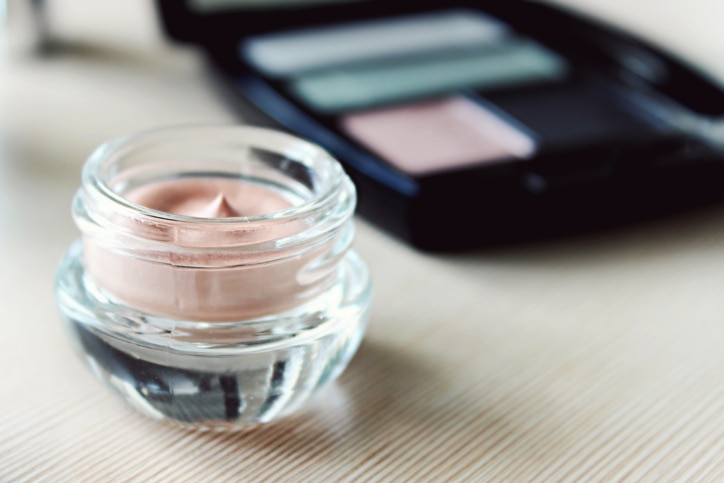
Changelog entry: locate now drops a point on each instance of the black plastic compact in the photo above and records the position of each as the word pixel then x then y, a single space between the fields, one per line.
pixel 470 123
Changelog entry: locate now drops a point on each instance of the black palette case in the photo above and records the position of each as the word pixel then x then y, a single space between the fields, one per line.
pixel 606 129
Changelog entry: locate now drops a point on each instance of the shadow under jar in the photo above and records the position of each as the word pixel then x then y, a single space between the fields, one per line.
pixel 214 285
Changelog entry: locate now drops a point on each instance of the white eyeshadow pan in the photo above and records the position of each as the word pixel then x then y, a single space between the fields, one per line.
pixel 289 53
pixel 438 135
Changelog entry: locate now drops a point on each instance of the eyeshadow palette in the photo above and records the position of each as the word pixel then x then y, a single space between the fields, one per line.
pixel 473 122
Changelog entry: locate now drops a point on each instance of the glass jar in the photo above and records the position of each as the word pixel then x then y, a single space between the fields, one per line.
pixel 216 321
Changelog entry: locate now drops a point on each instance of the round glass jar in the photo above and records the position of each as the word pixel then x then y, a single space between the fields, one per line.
pixel 224 317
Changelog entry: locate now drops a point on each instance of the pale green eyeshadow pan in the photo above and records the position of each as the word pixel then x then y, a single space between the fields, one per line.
pixel 508 64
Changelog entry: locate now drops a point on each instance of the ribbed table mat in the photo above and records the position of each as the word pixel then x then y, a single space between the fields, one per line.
pixel 543 365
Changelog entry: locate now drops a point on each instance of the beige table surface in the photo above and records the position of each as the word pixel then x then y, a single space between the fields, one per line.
pixel 593 358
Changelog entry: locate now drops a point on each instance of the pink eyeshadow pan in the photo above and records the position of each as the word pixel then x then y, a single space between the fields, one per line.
pixel 438 135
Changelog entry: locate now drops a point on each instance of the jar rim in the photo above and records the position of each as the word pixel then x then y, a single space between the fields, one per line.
pixel 98 207
pixel 299 149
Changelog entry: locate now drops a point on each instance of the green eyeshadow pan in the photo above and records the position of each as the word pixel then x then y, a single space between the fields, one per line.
pixel 505 65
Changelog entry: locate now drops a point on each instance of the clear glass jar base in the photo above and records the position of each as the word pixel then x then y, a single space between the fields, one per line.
pixel 214 384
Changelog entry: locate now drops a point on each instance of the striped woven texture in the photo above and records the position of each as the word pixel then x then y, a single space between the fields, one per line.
pixel 595 359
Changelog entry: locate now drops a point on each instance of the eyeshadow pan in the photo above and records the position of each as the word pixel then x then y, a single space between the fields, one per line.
pixel 438 135
pixel 507 65
pixel 289 53
pixel 572 114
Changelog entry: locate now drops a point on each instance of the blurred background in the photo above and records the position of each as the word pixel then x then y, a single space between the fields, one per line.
pixel 67 62
pixel 75 73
